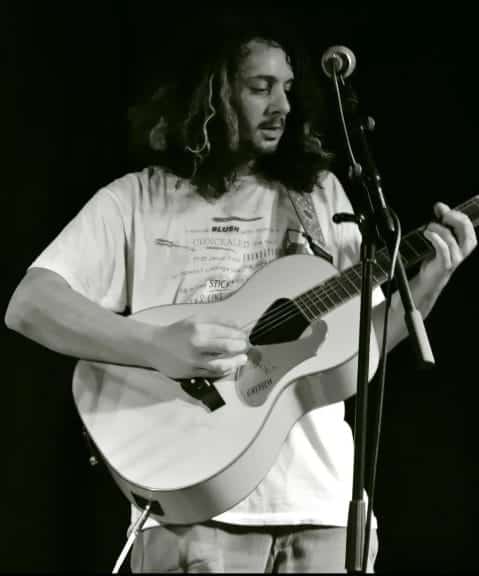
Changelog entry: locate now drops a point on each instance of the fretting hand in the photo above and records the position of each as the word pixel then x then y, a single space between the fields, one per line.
pixel 454 238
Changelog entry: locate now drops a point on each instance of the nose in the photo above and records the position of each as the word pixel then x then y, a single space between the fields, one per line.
pixel 279 101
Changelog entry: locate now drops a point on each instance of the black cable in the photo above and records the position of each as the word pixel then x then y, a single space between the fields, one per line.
pixel 377 425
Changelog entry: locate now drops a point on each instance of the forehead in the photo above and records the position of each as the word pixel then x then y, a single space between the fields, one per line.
pixel 259 58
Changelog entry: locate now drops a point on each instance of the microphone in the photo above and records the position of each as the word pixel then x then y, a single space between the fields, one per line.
pixel 339 59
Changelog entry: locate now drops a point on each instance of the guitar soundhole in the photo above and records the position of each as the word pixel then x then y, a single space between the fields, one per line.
pixel 282 322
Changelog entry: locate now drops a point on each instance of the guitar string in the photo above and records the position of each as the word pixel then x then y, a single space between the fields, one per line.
pixel 276 316
pixel 285 311
pixel 292 308
pixel 308 303
pixel 289 309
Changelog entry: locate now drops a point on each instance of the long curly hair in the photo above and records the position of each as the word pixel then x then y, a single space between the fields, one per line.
pixel 191 125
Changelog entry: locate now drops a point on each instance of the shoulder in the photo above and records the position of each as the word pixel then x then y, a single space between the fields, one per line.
pixel 330 191
pixel 143 187
pixel 135 183
pixel 327 181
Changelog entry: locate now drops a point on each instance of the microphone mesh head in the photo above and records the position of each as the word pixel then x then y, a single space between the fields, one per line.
pixel 340 59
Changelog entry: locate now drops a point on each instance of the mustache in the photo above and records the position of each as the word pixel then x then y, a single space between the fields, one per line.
pixel 273 123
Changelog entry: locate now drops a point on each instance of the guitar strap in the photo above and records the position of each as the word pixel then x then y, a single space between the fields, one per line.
pixel 306 213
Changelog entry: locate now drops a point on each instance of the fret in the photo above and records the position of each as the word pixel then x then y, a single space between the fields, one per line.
pixel 331 295
pixel 304 307
pixel 471 209
pixel 421 244
pixel 355 276
pixel 317 305
pixel 342 285
pixel 326 295
pixel 383 262
pixel 408 253
pixel 409 242
pixel 322 296
pixel 335 290
pixel 325 298
pixel 346 276
pixel 336 297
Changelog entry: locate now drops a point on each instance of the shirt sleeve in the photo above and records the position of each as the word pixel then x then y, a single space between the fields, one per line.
pixel 90 252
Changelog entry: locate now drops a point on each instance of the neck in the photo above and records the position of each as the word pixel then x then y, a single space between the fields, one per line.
pixel 244 163
pixel 245 169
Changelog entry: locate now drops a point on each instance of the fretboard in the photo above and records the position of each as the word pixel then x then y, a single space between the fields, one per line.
pixel 340 288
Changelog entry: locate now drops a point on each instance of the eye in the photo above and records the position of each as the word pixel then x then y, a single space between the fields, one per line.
pixel 260 89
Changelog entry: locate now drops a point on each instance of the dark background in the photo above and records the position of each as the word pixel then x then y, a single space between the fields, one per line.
pixel 69 75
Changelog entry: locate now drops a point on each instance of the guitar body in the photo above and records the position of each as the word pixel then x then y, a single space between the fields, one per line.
pixel 192 458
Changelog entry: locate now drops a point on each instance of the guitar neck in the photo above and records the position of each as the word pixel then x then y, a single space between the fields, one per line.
pixel 338 289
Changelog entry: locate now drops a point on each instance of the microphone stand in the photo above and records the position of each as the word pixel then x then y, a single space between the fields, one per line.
pixel 375 223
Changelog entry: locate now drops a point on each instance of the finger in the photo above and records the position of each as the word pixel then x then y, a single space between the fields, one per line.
pixel 229 365
pixel 442 213
pixel 462 228
pixel 216 334
pixel 441 248
pixel 209 329
pixel 221 346
pixel 221 366
pixel 440 210
pixel 448 243
pixel 211 337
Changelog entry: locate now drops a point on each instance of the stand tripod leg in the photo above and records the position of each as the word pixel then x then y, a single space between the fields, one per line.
pixel 131 538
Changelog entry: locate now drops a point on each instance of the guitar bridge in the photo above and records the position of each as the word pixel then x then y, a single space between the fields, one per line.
pixel 203 390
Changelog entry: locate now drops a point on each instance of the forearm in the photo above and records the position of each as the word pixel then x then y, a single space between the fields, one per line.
pixel 45 309
pixel 424 297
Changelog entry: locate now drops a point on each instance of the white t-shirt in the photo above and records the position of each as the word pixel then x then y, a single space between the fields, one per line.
pixel 148 239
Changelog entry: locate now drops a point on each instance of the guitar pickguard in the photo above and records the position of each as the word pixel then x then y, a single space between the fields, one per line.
pixel 270 362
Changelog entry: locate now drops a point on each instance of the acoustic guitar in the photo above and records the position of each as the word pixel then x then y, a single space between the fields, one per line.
pixel 194 448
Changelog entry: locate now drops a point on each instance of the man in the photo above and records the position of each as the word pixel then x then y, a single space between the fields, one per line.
pixel 229 150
